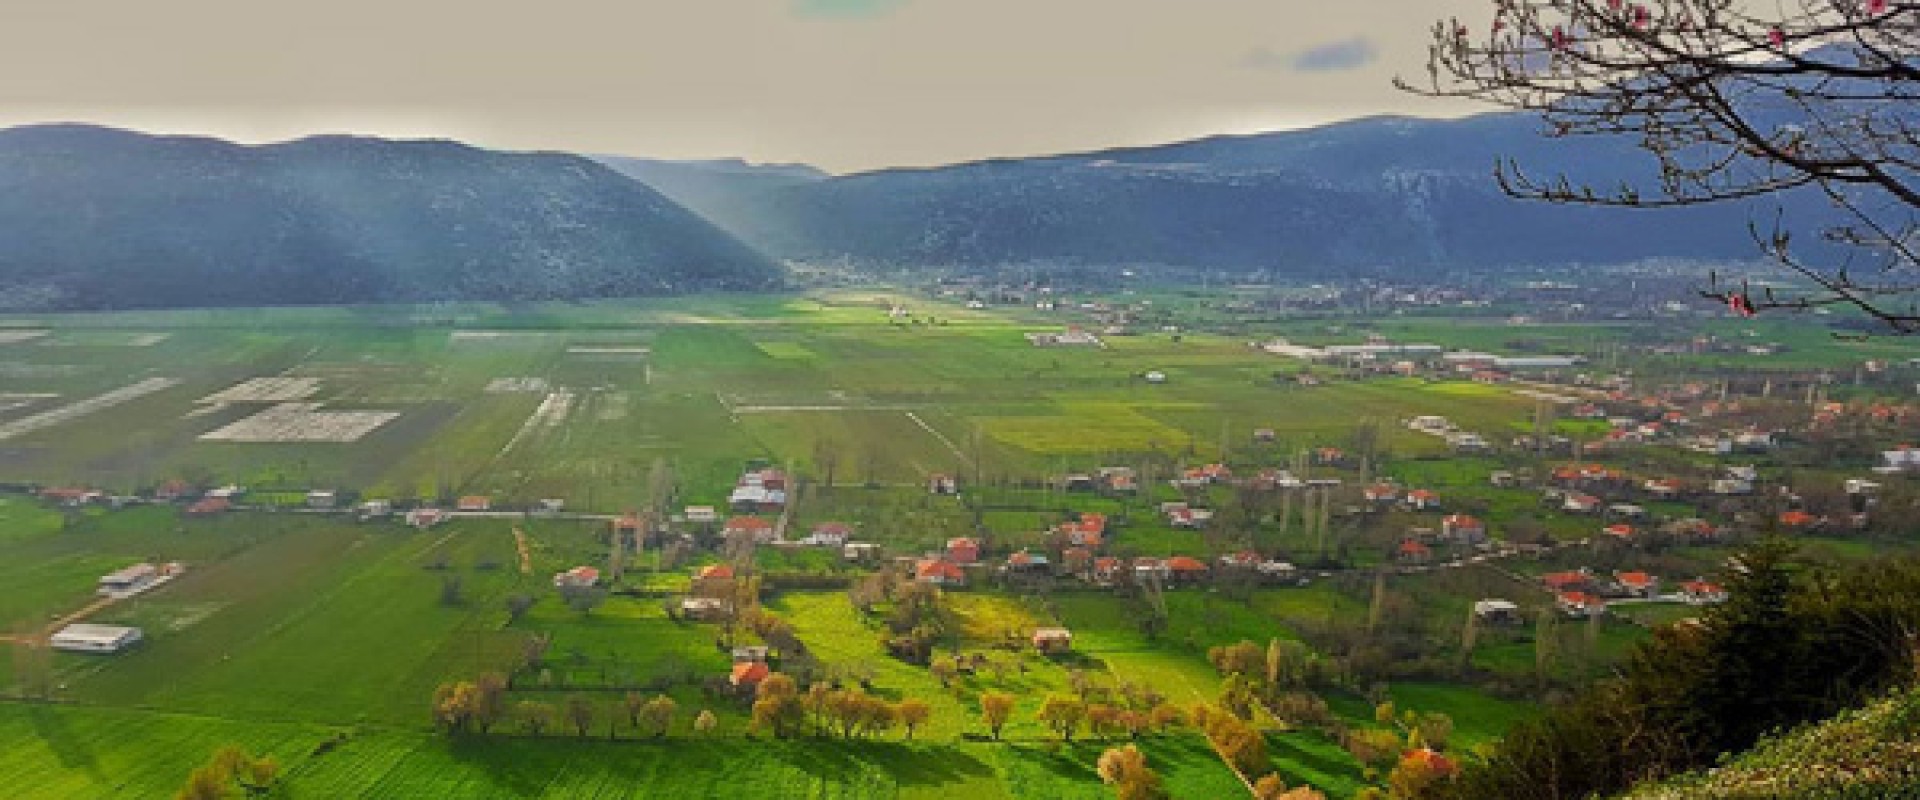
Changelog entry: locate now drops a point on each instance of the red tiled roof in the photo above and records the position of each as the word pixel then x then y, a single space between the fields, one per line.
pixel 1186 564
pixel 718 572
pixel 1560 579
pixel 945 570
pixel 748 524
pixel 750 672
pixel 1634 579
pixel 1796 519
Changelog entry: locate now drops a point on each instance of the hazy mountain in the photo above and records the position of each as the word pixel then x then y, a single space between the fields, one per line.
pixel 724 191
pixel 100 218
pixel 1387 193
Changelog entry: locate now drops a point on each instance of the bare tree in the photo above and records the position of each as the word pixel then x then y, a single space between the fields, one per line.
pixel 1732 100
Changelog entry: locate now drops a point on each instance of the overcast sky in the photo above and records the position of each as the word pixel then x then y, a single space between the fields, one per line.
pixel 842 84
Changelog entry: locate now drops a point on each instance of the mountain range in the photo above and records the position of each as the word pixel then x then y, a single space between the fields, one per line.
pixel 102 218
pixel 1377 194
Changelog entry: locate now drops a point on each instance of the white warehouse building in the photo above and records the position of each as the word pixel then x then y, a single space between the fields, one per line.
pixel 83 637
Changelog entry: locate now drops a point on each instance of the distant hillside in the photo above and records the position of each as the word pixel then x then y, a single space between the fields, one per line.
pixel 101 218
pixel 725 191
pixel 1869 754
pixel 1386 193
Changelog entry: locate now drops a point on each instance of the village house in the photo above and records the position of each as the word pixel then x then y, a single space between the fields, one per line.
pixel 578 577
pixel 1691 527
pixel 1797 520
pixel 375 508
pixel 939 572
pixel 1497 612
pixel 207 506
pixel 474 502
pixel 322 498
pixel 829 534
pixel 751 654
pixel 1580 605
pixel 1578 503
pixel 759 491
pixel 713 578
pixel 703 609
pixel 1381 493
pixel 1075 561
pixel 701 515
pixel 1423 500
pixel 1052 641
pixel 1699 592
pixel 1463 528
pixel 1575 580
pixel 743 526
pixel 943 484
pixel 1618 531
pixel 1413 551
pixel 1148 569
pixel 1186 569
pixel 1636 584
pixel 860 552
pixel 1028 561
pixel 551 505
pixel 424 518
pixel 747 675
pixel 1184 516
pixel 963 550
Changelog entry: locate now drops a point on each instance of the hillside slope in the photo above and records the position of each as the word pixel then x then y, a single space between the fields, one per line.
pixel 1869 754
pixel 102 218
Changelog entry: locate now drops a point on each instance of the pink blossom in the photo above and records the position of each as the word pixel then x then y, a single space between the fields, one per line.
pixel 1777 37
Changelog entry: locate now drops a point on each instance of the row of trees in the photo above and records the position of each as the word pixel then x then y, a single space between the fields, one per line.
pixel 780 708
pixel 477 706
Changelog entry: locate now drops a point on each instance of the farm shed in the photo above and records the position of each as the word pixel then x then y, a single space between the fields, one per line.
pixel 82 637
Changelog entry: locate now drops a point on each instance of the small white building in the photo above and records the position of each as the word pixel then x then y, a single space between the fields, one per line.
pixel 1496 611
pixel 322 498
pixel 129 581
pixel 1155 376
pixel 83 637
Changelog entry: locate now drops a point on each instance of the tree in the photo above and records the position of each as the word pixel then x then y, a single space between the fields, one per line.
pixel 583 599
pixel 1126 770
pixel 231 767
pixel 1062 715
pixel 913 712
pixel 489 700
pixel 657 715
pixel 535 717
pixel 777 706
pixel 517 606
pixel 580 713
pixel 1730 101
pixel 1243 658
pixel 204 783
pixel 995 709
pixel 1272 787
pixel 705 722
pixel 454 706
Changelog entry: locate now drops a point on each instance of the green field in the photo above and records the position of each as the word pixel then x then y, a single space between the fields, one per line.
pixel 321 640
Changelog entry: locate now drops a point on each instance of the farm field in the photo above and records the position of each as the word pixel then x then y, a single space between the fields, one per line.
pixel 321 639
pixel 579 401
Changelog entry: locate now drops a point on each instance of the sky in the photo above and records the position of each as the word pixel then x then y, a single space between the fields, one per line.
pixel 845 85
